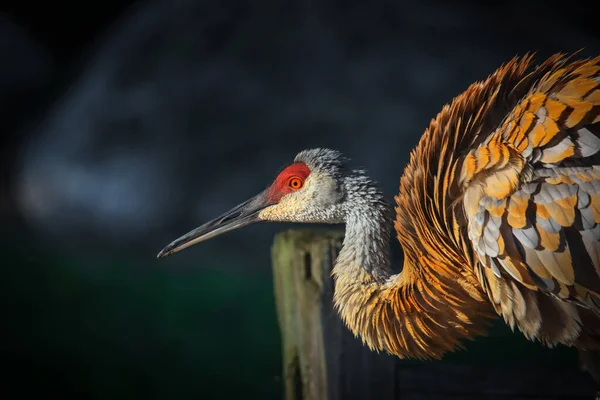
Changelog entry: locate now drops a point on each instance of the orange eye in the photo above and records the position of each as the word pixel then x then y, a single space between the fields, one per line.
pixel 295 183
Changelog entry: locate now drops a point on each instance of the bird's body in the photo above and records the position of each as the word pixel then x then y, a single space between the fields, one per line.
pixel 502 198
pixel 498 214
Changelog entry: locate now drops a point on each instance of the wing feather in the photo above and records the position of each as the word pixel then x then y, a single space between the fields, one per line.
pixel 531 195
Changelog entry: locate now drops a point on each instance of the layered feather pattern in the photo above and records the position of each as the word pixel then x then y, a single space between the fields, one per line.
pixel 507 180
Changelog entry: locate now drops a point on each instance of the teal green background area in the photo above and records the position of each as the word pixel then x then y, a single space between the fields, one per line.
pixel 117 328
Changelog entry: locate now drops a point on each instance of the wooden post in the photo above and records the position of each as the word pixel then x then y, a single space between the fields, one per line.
pixel 321 358
pixel 323 361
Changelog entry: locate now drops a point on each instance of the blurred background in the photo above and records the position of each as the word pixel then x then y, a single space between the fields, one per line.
pixel 126 124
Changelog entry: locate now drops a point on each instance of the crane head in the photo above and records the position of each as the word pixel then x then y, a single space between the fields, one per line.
pixel 309 190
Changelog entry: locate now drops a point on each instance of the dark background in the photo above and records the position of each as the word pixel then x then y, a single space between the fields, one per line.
pixel 125 125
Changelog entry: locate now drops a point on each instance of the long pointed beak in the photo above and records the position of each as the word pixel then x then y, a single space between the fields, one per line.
pixel 242 215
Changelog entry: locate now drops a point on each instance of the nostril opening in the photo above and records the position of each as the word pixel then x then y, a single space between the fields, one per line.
pixel 230 217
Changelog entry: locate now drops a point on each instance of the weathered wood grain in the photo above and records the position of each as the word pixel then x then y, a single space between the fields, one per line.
pixel 321 358
pixel 323 361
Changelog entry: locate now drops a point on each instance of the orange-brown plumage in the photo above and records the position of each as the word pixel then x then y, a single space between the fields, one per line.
pixel 509 151
pixel 498 214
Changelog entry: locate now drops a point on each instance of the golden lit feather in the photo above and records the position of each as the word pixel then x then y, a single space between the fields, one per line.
pixel 498 214
pixel 518 158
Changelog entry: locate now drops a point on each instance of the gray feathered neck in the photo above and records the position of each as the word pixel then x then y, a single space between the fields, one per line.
pixel 368 216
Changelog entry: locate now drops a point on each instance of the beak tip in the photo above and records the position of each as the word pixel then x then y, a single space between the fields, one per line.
pixel 163 253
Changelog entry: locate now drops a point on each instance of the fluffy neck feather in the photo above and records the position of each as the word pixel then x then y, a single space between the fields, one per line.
pixel 436 301
pixel 420 313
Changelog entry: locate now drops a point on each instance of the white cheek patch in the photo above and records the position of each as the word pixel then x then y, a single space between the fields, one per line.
pixel 313 203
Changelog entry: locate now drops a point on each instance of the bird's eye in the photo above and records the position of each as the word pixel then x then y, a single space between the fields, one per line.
pixel 295 183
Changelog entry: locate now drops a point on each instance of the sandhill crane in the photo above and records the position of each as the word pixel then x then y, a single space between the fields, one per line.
pixel 498 214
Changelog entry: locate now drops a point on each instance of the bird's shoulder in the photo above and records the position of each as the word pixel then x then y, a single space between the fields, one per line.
pixel 530 191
